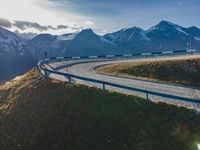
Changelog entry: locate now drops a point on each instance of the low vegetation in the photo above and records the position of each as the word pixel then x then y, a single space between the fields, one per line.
pixel 36 114
pixel 185 71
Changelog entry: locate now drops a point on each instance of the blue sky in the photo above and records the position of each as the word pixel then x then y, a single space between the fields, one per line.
pixel 115 14
pixel 105 15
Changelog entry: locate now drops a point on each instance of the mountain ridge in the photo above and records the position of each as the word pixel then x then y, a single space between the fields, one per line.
pixel 22 54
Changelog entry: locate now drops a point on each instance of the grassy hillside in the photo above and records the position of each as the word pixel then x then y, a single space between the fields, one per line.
pixel 185 71
pixel 36 114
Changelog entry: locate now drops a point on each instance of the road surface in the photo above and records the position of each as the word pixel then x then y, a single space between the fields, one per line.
pixel 85 68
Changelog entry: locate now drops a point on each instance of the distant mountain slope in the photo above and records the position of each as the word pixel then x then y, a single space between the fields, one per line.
pixel 14 59
pixel 40 44
pixel 83 43
pixel 88 43
pixel 10 41
pixel 163 36
pixel 128 39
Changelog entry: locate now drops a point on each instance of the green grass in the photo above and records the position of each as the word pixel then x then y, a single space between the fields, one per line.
pixel 185 72
pixel 43 115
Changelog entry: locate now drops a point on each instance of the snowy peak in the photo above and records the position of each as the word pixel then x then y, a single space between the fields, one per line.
pixel 163 26
pixel 167 30
pixel 166 23
pixel 163 36
pixel 10 41
pixel 44 37
pixel 169 27
pixel 67 37
pixel 8 37
pixel 133 29
pixel 193 31
pixel 127 35
pixel 194 28
pixel 87 32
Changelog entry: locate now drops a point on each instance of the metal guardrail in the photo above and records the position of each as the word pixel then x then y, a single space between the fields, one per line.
pixel 130 55
pixel 105 83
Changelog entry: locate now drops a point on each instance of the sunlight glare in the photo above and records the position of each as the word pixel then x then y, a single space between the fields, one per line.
pixel 27 10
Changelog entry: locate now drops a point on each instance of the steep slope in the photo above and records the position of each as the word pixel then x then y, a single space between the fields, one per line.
pixel 168 36
pixel 9 41
pixel 131 40
pixel 40 114
pixel 40 44
pixel 14 59
pixel 88 43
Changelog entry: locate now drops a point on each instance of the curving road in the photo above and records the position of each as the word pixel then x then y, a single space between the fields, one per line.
pixel 85 68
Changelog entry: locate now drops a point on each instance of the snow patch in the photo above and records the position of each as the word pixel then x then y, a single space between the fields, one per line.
pixel 9 41
pixel 106 41
pixel 113 37
pixel 130 36
pixel 180 30
pixel 151 29
pixel 66 37
pixel 144 37
pixel 197 38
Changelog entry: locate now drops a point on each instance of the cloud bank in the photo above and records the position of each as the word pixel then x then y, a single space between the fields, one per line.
pixel 32 28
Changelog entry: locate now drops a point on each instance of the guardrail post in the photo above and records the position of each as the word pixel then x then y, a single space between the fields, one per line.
pixel 104 87
pixel 69 78
pixel 45 74
pixel 147 95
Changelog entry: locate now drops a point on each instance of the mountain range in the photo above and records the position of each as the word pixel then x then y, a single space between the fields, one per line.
pixel 18 54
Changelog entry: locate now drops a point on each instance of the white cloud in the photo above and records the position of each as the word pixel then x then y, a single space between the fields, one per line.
pixel 30 10
pixel 89 23
pixel 40 11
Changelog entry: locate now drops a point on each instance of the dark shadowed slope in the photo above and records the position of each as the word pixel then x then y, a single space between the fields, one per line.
pixel 14 59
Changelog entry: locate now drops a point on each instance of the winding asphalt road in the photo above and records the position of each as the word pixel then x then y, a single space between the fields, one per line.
pixel 85 68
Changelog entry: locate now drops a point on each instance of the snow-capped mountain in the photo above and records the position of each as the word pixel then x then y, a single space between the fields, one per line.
pixel 163 36
pixel 13 57
pixel 81 43
pixel 126 35
pixel 128 39
pixel 10 41
pixel 40 44
pixel 87 42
